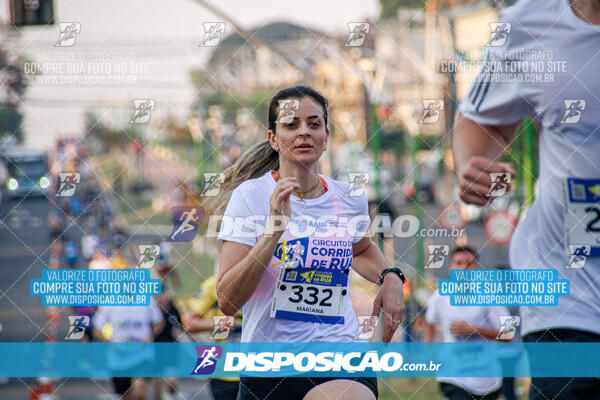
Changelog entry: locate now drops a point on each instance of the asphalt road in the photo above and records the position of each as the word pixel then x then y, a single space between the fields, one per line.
pixel 24 252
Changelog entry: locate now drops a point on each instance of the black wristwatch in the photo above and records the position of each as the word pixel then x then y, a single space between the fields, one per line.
pixel 394 270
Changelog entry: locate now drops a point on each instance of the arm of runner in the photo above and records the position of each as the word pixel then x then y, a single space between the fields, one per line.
pixel 464 328
pixel 489 115
pixel 429 332
pixel 477 149
pixel 158 327
pixel 241 266
pixel 193 322
pixel 431 318
pixel 368 261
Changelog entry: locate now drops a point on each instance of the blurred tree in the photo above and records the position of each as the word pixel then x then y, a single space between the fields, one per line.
pixel 177 132
pixel 394 139
pixel 257 102
pixel 107 137
pixel 10 122
pixel 31 13
pixel 12 88
pixel 389 7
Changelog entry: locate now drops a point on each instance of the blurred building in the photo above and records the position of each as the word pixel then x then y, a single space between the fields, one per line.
pixel 412 46
pixel 237 66
pixel 403 61
pixel 433 55
pixel 471 33
pixel 293 55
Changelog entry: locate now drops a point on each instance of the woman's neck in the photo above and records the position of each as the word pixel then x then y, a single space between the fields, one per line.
pixel 307 177
pixel 587 10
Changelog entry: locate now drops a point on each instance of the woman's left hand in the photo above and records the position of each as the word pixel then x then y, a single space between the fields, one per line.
pixel 390 297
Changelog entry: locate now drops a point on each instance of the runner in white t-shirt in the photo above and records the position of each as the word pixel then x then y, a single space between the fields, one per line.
pixel 562 225
pixel 288 266
pixel 465 324
pixel 127 325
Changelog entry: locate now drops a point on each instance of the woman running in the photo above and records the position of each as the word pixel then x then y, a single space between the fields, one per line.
pixel 289 270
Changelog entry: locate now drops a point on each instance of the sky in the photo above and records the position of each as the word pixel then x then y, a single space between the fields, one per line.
pixel 159 42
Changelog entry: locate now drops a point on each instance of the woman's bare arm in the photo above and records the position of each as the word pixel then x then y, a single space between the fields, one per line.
pixel 241 266
pixel 241 270
pixel 368 262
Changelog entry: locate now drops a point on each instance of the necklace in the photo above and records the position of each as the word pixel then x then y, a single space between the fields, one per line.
pixel 300 193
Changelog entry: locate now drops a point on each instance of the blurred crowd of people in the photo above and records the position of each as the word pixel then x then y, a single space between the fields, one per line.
pixel 84 234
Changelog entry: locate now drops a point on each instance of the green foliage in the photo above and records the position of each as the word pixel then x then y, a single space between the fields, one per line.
pixel 12 82
pixel 394 140
pixel 10 122
pixel 257 102
pixel 389 7
pixel 428 142
pixel 107 136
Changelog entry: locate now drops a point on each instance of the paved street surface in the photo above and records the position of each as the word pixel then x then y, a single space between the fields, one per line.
pixel 24 252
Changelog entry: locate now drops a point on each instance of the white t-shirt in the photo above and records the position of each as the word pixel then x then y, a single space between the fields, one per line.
pixel 569 147
pixel 88 245
pixel 130 324
pixel 251 198
pixel 99 263
pixel 442 314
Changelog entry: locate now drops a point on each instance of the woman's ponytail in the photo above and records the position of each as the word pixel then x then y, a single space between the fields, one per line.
pixel 254 163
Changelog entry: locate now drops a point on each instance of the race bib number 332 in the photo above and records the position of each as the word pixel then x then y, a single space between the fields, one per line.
pixel 311 295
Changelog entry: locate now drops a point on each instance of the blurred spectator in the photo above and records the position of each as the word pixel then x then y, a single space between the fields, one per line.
pixel 128 324
pixel 418 328
pixel 165 266
pixel 508 383
pixel 56 250
pixel 165 253
pixel 465 324
pixel 99 260
pixel 71 252
pixel 74 206
pixel 103 239
pixel 118 261
pixel 89 242
pixel 3 174
pixel 55 227
pixel 170 332
pixel 119 237
pixel 201 320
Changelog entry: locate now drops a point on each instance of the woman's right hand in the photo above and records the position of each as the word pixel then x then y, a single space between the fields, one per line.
pixel 281 207
pixel 475 178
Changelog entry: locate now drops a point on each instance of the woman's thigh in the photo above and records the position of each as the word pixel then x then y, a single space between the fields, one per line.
pixel 340 389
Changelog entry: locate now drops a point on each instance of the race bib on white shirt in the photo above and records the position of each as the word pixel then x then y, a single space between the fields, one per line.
pixel 582 216
pixel 313 280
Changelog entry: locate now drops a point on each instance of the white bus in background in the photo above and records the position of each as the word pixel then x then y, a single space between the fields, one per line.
pixel 26 172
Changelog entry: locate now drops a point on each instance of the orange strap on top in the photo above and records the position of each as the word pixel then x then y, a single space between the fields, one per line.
pixel 324 183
